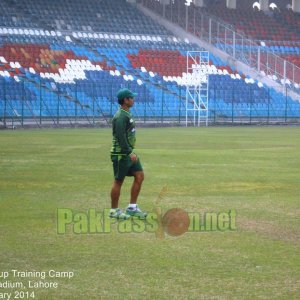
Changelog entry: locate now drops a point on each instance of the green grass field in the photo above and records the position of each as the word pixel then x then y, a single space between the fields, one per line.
pixel 252 170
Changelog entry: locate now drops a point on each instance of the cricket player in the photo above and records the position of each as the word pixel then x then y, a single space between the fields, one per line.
pixel 125 161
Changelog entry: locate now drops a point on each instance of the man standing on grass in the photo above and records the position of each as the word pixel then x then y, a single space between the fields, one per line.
pixel 125 161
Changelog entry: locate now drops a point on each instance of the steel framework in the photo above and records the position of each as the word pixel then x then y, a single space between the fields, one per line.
pixel 197 87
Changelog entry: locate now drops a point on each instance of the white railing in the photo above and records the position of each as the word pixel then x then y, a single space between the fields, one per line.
pixel 224 37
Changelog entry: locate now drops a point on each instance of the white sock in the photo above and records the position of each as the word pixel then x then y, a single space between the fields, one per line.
pixel 132 206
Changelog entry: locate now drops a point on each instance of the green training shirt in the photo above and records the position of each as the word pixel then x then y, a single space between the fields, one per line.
pixel 123 127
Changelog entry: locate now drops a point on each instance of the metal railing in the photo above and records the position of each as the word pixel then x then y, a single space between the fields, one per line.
pixel 228 104
pixel 224 37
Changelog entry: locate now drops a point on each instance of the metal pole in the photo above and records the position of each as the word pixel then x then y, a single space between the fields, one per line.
pixel 178 12
pixel 23 98
pixel 145 104
pixel 258 59
pixel 186 105
pixel 215 105
pixel 294 73
pixel 207 109
pixel 76 103
pixel 251 102
pixel 194 110
pixel 233 44
pixel 242 47
pixel 286 100
pixel 250 50
pixel 195 100
pixel 202 27
pixel 5 104
pixel 267 63
pixel 40 101
pixel 57 109
pixel 225 39
pixel 111 100
pixel 217 37
pixel 186 18
pixel 268 105
pixel 186 90
pixel 194 21
pixel 284 71
pixel 162 106
pixel 232 105
pixel 209 38
pixel 199 108
pixel 93 97
pixel 179 113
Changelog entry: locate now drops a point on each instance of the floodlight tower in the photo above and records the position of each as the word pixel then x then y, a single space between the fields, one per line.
pixel 197 87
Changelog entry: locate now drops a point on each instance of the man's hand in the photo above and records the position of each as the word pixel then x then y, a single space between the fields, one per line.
pixel 133 157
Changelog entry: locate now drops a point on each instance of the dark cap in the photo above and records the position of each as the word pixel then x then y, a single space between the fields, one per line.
pixel 125 93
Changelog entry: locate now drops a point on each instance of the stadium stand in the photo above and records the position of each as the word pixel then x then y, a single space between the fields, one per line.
pixel 279 28
pixel 70 62
pixel 93 16
pixel 255 23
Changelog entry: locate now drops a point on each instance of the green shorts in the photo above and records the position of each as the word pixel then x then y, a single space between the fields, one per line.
pixel 123 166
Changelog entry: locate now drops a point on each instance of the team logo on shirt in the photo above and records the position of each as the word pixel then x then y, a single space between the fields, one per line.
pixel 131 120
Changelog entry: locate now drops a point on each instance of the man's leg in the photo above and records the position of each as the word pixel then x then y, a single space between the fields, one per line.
pixel 121 167
pixel 136 186
pixel 115 193
pixel 132 209
pixel 116 212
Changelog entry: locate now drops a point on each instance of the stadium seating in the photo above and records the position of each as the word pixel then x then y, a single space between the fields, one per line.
pixel 47 73
pixel 277 25
pixel 93 16
pixel 278 28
